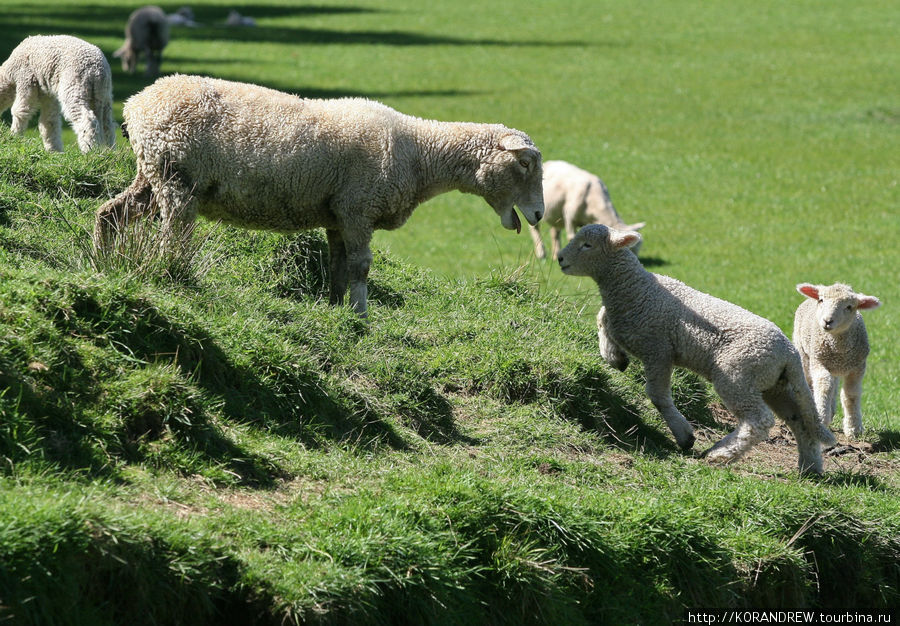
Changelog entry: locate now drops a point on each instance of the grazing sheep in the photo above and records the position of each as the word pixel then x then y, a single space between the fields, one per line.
pixel 263 159
pixel 62 76
pixel 664 323
pixel 831 337
pixel 147 32
pixel 574 198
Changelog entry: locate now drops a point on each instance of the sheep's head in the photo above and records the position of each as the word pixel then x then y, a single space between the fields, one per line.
pixel 512 176
pixel 836 305
pixel 592 246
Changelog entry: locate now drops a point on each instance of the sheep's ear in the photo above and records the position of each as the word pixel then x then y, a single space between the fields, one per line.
pixel 514 143
pixel 867 302
pixel 623 239
pixel 636 226
pixel 810 291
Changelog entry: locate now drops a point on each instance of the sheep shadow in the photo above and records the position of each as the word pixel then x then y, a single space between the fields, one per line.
pixel 598 404
pixel 652 261
pixel 888 441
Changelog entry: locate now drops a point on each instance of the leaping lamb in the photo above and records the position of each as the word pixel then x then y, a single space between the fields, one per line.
pixel 664 323
pixel 831 336
pixel 63 76
pixel 263 159
pixel 573 198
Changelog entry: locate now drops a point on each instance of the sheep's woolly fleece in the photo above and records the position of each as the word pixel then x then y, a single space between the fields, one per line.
pixel 63 76
pixel 260 158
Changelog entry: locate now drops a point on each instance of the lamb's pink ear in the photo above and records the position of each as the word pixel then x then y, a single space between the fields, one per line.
pixel 810 291
pixel 867 302
pixel 623 238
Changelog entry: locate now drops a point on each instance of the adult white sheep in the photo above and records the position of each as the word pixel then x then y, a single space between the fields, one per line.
pixel 147 33
pixel 574 198
pixel 830 334
pixel 263 159
pixel 62 76
pixel 664 323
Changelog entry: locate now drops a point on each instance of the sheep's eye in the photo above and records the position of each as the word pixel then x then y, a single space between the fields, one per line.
pixel 849 307
pixel 523 163
pixel 585 246
pixel 820 300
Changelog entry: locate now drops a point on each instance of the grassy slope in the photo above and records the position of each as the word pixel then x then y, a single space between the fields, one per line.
pixel 227 446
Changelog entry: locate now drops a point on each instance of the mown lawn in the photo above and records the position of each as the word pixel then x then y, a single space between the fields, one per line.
pixel 217 445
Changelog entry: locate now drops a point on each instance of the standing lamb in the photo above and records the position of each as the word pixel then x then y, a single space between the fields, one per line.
pixel 664 323
pixel 263 159
pixel 147 32
pixel 574 198
pixel 831 336
pixel 62 76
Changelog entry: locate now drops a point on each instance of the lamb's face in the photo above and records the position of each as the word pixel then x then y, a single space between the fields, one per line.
pixel 511 177
pixel 588 249
pixel 836 305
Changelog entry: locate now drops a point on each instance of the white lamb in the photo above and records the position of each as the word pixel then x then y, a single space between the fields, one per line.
pixel 831 336
pixel 147 32
pixel 574 198
pixel 263 159
pixel 664 323
pixel 62 76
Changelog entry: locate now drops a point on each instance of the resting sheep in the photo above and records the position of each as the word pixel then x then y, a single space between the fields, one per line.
pixel 574 198
pixel 63 76
pixel 664 323
pixel 263 159
pixel 147 32
pixel 831 337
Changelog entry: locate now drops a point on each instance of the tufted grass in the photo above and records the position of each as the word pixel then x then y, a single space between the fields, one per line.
pixel 227 448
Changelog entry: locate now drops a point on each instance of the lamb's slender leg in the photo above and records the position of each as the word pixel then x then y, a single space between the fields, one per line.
pixel 50 125
pixel 851 400
pixel 337 262
pixel 754 421
pixel 802 422
pixel 824 388
pixel 539 250
pixel 178 210
pixel 86 126
pixel 22 108
pixel 555 241
pixel 659 389
pixel 115 214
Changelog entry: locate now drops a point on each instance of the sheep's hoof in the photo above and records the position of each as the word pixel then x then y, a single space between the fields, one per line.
pixel 687 445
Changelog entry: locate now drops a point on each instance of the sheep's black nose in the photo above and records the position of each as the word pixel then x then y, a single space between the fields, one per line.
pixel 537 216
pixel 559 258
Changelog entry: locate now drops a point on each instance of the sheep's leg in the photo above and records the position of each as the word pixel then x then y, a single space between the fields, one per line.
pixel 555 241
pixel 611 352
pixel 754 421
pixel 659 389
pixel 22 108
pixel 178 210
pixel 801 419
pixel 105 114
pixel 539 250
pixel 851 400
pixel 115 214
pixel 337 262
pixel 50 125
pixel 359 260
pixel 86 126
pixel 824 388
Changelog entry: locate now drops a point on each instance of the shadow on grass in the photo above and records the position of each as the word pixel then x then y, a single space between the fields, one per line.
pixel 652 261
pixel 888 440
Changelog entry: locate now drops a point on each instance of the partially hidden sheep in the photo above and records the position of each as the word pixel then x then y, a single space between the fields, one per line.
pixel 65 77
pixel 147 33
pixel 830 334
pixel 263 159
pixel 664 323
pixel 574 198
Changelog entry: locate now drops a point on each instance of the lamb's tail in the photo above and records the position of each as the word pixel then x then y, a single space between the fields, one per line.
pixel 793 371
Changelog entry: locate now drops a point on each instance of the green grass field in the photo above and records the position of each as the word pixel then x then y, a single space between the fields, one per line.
pixel 215 444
